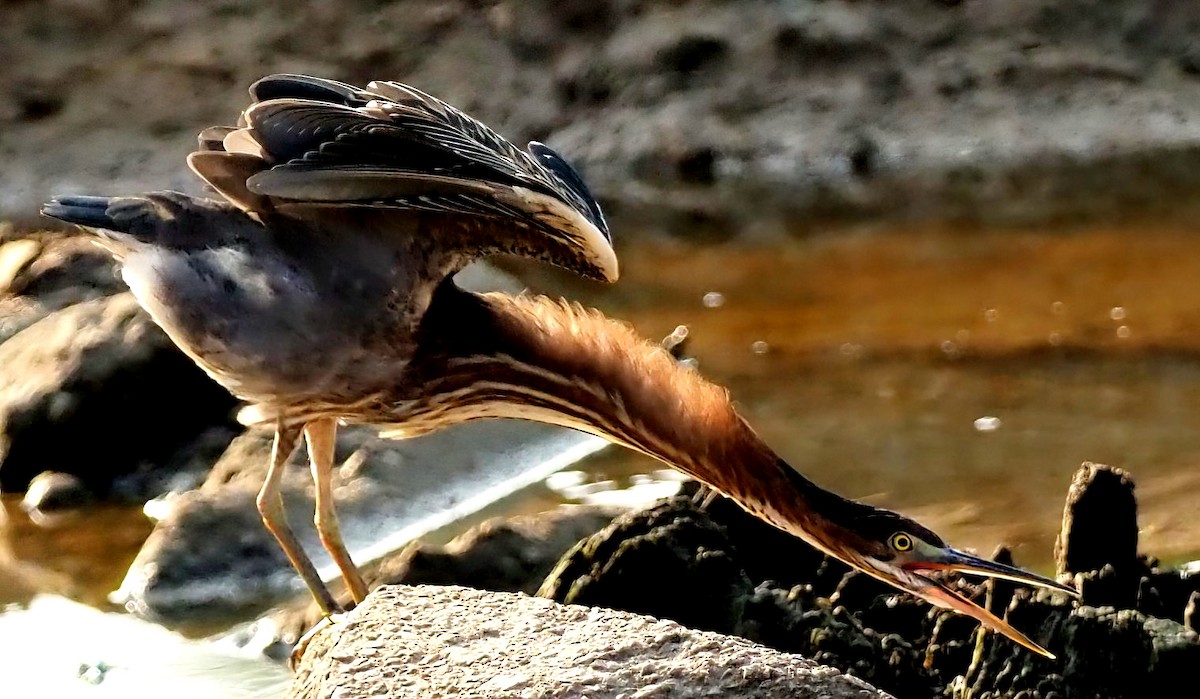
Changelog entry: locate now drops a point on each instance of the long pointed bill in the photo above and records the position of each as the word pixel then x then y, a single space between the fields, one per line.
pixel 953 560
pixel 961 562
pixel 944 597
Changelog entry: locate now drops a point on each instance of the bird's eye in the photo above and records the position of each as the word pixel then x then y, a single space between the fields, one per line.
pixel 901 541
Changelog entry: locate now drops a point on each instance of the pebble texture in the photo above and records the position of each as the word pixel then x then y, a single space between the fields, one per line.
pixel 451 641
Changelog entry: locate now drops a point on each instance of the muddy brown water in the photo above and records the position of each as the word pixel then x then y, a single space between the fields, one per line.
pixel 959 376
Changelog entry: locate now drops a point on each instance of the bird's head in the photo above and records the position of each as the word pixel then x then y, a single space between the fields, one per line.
pixel 902 552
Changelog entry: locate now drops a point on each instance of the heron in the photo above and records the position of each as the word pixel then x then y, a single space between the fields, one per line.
pixel 318 288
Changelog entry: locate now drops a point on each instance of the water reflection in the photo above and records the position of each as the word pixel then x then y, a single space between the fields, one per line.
pixel 81 555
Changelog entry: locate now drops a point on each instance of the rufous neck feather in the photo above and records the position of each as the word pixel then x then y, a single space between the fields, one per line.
pixel 559 362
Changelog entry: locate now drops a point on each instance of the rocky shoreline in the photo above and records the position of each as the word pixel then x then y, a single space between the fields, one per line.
pixel 719 570
pixel 724 571
pixel 704 120
pixel 700 119
pixel 713 570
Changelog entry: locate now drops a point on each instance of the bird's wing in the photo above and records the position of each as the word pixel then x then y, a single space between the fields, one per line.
pixel 308 143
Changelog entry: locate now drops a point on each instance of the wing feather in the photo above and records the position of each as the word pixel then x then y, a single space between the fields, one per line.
pixel 309 142
pixel 230 174
pixel 358 184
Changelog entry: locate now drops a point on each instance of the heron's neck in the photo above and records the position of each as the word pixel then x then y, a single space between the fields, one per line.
pixel 547 360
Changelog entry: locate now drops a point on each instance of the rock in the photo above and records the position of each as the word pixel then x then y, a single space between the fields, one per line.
pixel 43 273
pixel 183 571
pixel 503 554
pixel 210 555
pixel 14 256
pixel 1000 592
pixel 97 390
pixel 692 566
pixel 65 270
pixel 1099 521
pixel 705 569
pixel 650 562
pixel 1099 536
pixel 431 641
pixel 741 116
pixel 639 564
pixel 51 491
pixel 187 469
pixel 1104 654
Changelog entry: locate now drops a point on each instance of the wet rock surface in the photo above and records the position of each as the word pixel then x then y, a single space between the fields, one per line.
pixel 702 117
pixel 452 641
pixel 722 570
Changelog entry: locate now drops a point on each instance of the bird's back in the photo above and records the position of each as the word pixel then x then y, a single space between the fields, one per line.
pixel 345 209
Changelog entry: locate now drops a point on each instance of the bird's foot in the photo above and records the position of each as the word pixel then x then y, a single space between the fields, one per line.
pixel 302 643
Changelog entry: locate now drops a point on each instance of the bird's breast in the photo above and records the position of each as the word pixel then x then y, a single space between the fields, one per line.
pixel 269 330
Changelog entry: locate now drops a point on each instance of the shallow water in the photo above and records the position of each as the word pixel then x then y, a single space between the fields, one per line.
pixel 958 376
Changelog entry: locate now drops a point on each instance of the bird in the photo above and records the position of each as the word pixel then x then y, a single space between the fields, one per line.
pixel 317 287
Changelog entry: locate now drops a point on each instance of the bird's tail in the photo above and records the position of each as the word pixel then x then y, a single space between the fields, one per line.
pixel 157 218
pixel 84 211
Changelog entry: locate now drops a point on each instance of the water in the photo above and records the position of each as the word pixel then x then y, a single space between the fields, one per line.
pixel 960 377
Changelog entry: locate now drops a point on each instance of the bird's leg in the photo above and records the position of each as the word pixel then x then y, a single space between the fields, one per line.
pixel 270 506
pixel 320 435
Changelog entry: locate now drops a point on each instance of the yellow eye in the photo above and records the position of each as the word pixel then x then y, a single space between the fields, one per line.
pixel 901 541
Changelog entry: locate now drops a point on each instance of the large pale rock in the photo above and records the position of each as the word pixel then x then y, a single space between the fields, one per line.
pixel 452 641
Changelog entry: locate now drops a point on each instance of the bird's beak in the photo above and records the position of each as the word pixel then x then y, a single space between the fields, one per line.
pixel 949 559
pixel 961 562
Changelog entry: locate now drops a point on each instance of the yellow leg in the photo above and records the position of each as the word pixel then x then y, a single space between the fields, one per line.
pixel 270 506
pixel 320 435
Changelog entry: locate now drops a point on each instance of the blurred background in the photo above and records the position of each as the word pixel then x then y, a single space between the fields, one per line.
pixel 941 252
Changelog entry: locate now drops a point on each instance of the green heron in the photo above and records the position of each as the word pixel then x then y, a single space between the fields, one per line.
pixel 319 290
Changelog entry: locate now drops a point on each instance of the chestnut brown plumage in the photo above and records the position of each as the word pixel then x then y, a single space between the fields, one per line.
pixel 319 291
